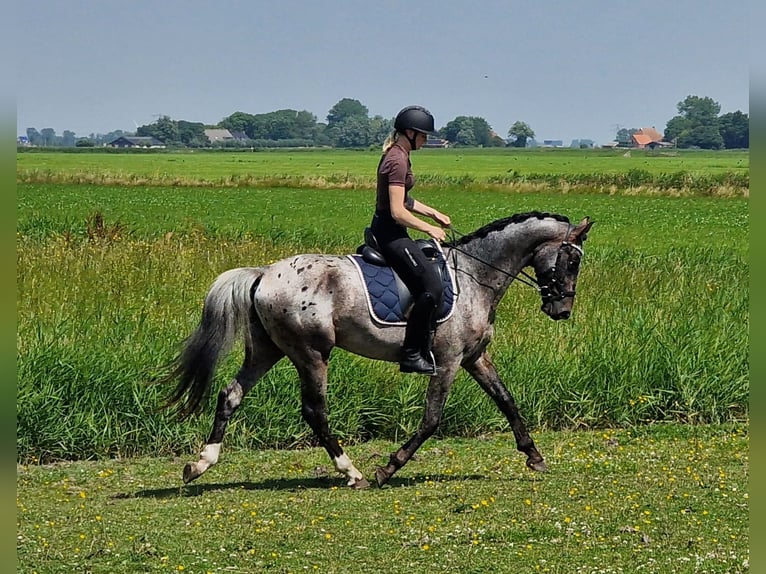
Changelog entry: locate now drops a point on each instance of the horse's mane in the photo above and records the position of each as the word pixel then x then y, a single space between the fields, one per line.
pixel 502 223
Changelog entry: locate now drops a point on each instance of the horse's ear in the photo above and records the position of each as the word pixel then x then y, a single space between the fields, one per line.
pixel 581 231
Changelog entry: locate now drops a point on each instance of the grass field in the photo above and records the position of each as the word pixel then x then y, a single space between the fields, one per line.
pixel 639 402
pixel 667 499
pixel 606 171
pixel 659 330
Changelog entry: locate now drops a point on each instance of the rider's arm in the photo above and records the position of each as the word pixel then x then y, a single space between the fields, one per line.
pixel 405 217
pixel 428 211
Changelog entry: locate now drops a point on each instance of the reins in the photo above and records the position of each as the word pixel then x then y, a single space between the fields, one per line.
pixel 550 291
pixel 530 281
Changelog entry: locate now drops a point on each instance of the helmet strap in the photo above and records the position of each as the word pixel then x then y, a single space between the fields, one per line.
pixel 412 140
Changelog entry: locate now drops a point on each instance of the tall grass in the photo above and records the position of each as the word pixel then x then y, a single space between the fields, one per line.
pixel 659 330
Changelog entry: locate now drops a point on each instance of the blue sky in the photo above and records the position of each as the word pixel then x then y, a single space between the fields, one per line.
pixel 569 70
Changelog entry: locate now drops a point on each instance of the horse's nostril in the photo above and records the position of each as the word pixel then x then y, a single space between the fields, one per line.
pixel 564 315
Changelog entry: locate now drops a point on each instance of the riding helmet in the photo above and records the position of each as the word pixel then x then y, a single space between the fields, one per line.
pixel 414 118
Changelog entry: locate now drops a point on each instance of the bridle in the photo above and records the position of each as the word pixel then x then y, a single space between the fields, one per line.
pixel 550 283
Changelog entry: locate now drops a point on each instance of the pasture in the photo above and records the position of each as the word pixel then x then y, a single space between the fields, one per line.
pixel 116 251
pixel 674 172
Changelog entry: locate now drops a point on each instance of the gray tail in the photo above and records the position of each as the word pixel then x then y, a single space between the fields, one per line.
pixel 226 313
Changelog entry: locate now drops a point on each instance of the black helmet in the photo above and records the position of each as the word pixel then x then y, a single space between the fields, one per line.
pixel 414 118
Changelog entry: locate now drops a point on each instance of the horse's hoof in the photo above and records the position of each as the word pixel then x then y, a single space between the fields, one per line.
pixel 381 476
pixel 360 484
pixel 190 472
pixel 537 465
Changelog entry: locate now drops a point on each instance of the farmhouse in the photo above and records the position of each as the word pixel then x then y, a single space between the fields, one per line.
pixel 218 135
pixel 648 138
pixel 136 141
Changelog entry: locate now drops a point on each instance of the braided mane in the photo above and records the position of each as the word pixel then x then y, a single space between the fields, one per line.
pixel 502 223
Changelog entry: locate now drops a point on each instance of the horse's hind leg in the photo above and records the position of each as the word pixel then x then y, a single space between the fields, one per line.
pixel 313 374
pixel 256 364
pixel 485 373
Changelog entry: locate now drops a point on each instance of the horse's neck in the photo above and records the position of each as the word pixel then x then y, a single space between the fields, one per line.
pixel 502 254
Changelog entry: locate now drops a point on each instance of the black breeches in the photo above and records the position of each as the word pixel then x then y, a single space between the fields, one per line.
pixel 415 270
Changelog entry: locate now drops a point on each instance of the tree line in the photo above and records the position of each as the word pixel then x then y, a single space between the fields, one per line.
pixel 348 124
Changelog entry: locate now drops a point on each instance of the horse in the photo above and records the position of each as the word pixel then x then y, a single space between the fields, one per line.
pixel 303 306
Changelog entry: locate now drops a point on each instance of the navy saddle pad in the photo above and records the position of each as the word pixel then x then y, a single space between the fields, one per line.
pixel 383 288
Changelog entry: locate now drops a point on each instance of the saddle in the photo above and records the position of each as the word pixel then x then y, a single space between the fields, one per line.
pixel 388 297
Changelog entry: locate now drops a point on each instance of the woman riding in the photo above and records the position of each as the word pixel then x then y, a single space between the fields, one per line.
pixel 395 212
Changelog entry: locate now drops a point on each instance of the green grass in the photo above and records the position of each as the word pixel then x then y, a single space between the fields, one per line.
pixel 110 277
pixel 659 330
pixel 658 498
pixel 606 171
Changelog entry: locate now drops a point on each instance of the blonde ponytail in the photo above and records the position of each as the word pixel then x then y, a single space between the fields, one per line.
pixel 390 140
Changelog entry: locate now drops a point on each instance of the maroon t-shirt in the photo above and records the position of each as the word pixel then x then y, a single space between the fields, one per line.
pixel 394 169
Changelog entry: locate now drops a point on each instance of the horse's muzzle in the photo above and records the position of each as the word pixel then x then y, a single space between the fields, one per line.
pixel 556 311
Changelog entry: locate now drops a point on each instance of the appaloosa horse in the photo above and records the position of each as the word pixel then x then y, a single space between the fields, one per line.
pixel 303 306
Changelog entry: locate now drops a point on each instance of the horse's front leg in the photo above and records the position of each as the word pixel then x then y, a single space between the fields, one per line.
pixel 485 373
pixel 438 389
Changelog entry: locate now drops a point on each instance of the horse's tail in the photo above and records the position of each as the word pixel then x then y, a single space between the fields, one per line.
pixel 225 313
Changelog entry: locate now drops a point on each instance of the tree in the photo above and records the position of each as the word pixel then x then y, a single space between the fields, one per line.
pixel 48 136
pixel 624 136
pixel 353 131
pixel 34 137
pixel 164 129
pixel 696 124
pixel 192 134
pixel 68 140
pixel 519 132
pixel 238 122
pixel 344 109
pixel 468 131
pixel 734 128
pixel 380 127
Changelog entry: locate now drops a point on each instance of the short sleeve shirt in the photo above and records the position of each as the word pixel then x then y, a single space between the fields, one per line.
pixel 394 169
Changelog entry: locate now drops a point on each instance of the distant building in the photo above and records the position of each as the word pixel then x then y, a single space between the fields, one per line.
pixel 648 138
pixel 136 141
pixel 436 142
pixel 219 135
pixel 553 143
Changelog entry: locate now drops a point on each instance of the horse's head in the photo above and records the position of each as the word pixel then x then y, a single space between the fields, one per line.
pixel 557 264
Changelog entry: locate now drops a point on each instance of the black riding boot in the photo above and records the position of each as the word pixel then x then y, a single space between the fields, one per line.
pixel 416 350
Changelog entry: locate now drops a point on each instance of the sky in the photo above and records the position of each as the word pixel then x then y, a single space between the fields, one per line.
pixel 570 70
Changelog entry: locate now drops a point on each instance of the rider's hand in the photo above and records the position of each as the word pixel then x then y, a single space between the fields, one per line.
pixel 437 233
pixel 441 219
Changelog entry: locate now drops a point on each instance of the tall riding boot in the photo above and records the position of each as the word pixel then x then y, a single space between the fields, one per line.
pixel 417 339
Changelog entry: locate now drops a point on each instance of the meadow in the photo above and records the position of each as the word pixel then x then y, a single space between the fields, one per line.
pixel 670 172
pixel 639 401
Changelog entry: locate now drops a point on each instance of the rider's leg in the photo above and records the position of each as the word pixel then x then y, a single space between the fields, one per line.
pixel 416 350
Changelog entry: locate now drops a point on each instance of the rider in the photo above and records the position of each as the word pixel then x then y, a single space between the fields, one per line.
pixel 395 212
